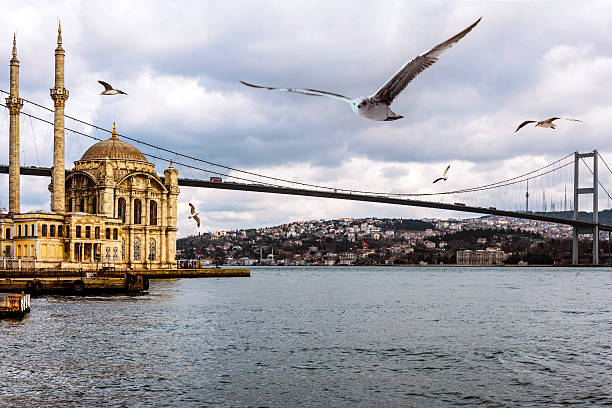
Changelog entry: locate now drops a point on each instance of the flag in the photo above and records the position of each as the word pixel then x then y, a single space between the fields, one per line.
pixel 364 244
pixel 198 252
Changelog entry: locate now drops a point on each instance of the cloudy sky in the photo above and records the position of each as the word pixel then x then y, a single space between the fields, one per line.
pixel 180 63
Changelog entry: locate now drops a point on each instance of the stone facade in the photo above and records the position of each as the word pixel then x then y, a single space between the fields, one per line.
pixel 111 210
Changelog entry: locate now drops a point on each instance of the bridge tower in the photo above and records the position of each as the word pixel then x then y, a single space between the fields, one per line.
pixel 59 94
pixel 527 198
pixel 14 104
pixel 589 190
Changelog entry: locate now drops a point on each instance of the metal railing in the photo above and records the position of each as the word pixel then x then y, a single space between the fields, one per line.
pixel 61 273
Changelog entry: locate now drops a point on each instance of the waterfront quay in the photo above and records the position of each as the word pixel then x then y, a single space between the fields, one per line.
pixel 197 273
pixel 79 282
pixel 75 282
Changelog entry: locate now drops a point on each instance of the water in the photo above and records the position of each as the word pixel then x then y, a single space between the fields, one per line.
pixel 322 337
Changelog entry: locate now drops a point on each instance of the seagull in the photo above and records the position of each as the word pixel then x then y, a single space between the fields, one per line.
pixel 194 215
pixel 376 106
pixel 109 90
pixel 548 123
pixel 443 176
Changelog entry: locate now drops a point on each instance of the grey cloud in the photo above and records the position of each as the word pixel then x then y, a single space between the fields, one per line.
pixel 464 108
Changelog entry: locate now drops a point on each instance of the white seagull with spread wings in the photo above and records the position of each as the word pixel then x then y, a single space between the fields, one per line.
pixel 376 106
pixel 548 123
pixel 194 215
pixel 443 176
pixel 109 90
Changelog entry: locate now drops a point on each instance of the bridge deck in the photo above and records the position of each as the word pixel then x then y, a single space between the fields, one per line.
pixel 262 188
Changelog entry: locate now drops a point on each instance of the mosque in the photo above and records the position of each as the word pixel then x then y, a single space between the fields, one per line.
pixel 112 210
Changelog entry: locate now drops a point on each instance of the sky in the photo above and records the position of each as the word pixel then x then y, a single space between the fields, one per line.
pixel 180 63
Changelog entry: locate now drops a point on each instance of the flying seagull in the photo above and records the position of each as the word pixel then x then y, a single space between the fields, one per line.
pixel 443 176
pixel 548 123
pixel 109 90
pixel 194 215
pixel 376 106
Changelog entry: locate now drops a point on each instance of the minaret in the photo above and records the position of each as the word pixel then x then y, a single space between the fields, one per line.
pixel 169 243
pixel 59 94
pixel 14 104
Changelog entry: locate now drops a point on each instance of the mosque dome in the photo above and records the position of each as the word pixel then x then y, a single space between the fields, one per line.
pixel 113 149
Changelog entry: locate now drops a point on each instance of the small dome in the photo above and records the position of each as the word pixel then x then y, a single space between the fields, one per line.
pixel 113 149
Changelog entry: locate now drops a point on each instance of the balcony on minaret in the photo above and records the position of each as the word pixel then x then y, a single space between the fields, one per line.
pixel 14 105
pixel 59 96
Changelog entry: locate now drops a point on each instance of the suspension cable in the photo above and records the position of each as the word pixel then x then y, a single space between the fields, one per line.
pixel 604 162
pixel 598 182
pixel 466 190
pixel 153 156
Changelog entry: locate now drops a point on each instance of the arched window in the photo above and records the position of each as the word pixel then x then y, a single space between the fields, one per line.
pixel 108 235
pixel 70 205
pixel 19 230
pixel 94 205
pixel 121 209
pixel 18 251
pixel 8 233
pixel 152 250
pixel 137 249
pixel 82 205
pixel 60 230
pixel 115 233
pixel 67 231
pixel 137 211
pixel 33 229
pixel 52 231
pixel 44 230
pixel 153 213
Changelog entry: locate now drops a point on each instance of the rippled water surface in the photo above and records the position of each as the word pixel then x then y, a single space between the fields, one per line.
pixel 371 337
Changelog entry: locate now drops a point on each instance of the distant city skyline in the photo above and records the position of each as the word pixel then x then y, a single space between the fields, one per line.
pixel 180 63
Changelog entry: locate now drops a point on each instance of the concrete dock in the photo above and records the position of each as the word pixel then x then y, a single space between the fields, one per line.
pixel 75 285
pixel 64 282
pixel 78 282
pixel 197 273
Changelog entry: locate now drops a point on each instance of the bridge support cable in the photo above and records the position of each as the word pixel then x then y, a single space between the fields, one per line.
pixel 154 156
pixel 529 175
pixel 505 188
pixel 290 182
pixel 481 201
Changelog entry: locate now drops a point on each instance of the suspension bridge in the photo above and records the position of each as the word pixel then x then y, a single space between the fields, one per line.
pixel 540 194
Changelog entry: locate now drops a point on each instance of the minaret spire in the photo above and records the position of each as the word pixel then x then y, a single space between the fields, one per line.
pixel 14 104
pixel 59 94
pixel 15 45
pixel 59 35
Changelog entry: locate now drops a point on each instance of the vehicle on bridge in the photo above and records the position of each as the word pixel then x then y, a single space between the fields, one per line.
pixel 216 180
